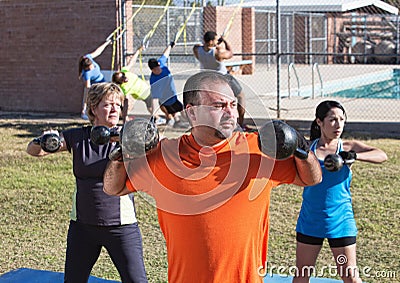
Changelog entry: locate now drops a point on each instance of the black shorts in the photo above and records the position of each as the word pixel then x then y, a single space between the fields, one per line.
pixel 234 84
pixel 333 242
pixel 174 108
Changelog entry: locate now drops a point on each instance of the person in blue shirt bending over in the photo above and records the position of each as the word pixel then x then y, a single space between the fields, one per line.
pixel 163 90
pixel 90 73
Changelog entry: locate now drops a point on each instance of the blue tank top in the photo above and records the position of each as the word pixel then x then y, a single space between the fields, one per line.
pixel 326 210
pixel 91 205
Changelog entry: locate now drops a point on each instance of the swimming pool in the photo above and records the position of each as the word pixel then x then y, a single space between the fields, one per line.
pixel 386 89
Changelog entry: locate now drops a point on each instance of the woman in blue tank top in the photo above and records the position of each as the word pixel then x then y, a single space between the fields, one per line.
pixel 326 210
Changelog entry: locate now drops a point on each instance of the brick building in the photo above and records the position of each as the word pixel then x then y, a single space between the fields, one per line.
pixel 40 44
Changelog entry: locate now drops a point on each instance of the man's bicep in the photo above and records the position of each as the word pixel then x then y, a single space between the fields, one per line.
pixel 223 55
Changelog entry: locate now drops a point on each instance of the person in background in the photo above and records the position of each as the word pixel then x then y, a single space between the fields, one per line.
pixel 97 219
pixel 132 86
pixel 211 55
pixel 163 90
pixel 90 73
pixel 212 188
pixel 326 210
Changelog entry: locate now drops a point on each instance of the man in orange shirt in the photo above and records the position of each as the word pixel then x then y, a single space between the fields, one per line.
pixel 212 188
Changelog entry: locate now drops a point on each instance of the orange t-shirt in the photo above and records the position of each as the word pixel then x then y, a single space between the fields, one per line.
pixel 212 205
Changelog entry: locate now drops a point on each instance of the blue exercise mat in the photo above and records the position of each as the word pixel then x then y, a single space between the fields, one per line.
pixel 26 275
pixel 275 278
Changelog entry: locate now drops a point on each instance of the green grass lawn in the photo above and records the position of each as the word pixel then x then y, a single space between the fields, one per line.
pixel 35 200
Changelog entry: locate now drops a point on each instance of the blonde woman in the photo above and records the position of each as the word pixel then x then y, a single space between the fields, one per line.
pixel 97 219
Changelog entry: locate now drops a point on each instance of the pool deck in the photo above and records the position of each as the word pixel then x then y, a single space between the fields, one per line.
pixel 260 89
pixel 364 115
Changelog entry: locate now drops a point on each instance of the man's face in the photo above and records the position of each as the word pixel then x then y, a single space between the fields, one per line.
pixel 217 114
pixel 156 70
pixel 214 42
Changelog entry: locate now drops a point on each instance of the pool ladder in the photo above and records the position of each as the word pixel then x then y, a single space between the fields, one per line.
pixel 291 67
pixel 315 69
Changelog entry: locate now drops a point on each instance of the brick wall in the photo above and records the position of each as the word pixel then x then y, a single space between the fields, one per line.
pixel 40 44
pixel 241 35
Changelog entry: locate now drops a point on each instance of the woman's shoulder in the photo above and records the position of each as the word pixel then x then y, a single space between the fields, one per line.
pixel 350 144
pixel 77 131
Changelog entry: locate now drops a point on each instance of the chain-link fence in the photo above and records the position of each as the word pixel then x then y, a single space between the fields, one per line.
pixel 313 53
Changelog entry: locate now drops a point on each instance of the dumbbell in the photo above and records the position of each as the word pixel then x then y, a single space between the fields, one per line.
pixel 335 162
pixel 279 140
pixel 137 137
pixel 101 134
pixel 50 142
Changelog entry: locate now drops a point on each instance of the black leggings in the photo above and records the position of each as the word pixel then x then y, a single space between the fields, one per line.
pixel 333 242
pixel 123 244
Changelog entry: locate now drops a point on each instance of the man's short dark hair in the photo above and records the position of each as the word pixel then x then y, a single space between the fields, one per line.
pixel 209 35
pixel 194 85
pixel 153 63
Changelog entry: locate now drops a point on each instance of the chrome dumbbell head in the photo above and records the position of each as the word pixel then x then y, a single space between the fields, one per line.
pixel 50 142
pixel 333 162
pixel 139 136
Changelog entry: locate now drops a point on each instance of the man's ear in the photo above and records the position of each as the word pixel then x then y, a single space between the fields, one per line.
pixel 190 112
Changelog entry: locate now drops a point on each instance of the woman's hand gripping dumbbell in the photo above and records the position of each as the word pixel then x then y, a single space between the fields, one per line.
pixel 49 141
pixel 101 134
pixel 335 162
pixel 135 138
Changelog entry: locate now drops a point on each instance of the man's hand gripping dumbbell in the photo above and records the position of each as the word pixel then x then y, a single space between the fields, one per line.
pixel 280 141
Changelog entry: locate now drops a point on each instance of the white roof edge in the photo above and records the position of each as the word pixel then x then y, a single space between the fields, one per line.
pixel 377 3
pixel 386 7
pixel 341 6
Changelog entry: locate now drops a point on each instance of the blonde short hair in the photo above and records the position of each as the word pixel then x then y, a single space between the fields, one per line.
pixel 97 92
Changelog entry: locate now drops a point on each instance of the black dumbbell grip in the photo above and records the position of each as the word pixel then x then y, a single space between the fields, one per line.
pixel 114 132
pixel 36 141
pixel 116 154
pixel 301 153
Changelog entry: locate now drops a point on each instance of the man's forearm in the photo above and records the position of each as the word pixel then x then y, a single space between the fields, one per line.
pixel 115 178
pixel 308 170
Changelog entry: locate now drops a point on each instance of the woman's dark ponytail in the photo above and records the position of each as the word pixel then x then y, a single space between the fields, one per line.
pixel 315 130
